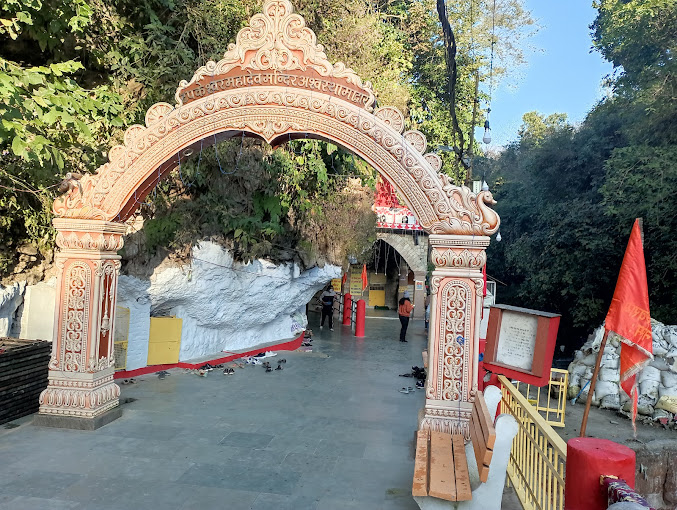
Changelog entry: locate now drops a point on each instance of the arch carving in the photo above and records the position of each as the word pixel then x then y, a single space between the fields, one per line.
pixel 274 83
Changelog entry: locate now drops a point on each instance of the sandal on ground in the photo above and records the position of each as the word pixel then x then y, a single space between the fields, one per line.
pixel 404 390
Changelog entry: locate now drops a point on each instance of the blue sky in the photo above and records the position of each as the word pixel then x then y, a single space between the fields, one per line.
pixel 562 75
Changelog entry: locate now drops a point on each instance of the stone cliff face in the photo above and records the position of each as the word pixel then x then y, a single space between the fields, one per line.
pixel 225 305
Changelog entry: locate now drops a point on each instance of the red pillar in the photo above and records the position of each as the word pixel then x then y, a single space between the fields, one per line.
pixel 347 308
pixel 359 318
pixel 587 459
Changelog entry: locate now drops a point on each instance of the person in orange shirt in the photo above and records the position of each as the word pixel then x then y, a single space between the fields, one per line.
pixel 404 311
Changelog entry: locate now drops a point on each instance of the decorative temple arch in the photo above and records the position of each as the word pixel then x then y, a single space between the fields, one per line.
pixel 274 83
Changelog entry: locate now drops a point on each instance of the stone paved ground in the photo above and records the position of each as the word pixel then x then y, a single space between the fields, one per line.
pixel 329 431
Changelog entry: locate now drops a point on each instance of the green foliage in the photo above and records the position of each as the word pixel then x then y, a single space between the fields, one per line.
pixel 568 197
pixel 74 73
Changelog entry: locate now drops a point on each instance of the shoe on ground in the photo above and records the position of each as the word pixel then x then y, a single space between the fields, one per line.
pixel 331 329
pixel 321 327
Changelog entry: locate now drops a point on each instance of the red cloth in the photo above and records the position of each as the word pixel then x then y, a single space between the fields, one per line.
pixel 365 282
pixel 629 316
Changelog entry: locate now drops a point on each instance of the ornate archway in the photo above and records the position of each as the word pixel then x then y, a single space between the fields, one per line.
pixel 275 83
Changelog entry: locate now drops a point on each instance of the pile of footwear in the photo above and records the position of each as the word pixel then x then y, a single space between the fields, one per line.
pixel 417 373
pixel 268 368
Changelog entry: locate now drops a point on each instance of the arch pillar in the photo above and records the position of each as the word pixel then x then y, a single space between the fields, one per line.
pixel 453 342
pixel 81 388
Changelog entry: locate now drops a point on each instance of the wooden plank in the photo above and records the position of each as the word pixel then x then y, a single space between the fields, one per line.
pixel 485 421
pixel 463 490
pixel 442 478
pixel 421 464
pixel 482 453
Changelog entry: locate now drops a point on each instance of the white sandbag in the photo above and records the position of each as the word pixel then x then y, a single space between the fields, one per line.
pixel 670 335
pixel 659 363
pixel 574 380
pixel 644 406
pixel 668 404
pixel 672 353
pixel 670 391
pixel 578 369
pixel 649 373
pixel 604 388
pixel 659 350
pixel 609 374
pixel 661 413
pixel 589 360
pixel 597 339
pixel 649 388
pixel 610 360
pixel 668 379
pixel 623 396
pixel 610 402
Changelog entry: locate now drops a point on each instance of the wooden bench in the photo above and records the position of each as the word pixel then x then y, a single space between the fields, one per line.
pixel 441 468
pixel 452 476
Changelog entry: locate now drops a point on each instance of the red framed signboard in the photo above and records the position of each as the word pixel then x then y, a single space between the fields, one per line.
pixel 521 343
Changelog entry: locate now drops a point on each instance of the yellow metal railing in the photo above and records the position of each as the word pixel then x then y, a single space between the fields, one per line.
pixel 551 404
pixel 538 454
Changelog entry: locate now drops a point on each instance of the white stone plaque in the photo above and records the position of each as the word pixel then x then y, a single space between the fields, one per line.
pixel 517 340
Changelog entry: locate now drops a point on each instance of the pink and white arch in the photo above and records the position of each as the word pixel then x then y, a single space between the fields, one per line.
pixel 277 84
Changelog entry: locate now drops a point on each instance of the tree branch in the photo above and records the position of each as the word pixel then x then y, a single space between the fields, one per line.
pixel 452 72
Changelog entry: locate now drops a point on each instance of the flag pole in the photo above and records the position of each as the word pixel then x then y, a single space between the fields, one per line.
pixel 593 381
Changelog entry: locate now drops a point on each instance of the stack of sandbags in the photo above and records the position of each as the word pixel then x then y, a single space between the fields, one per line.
pixel 657 381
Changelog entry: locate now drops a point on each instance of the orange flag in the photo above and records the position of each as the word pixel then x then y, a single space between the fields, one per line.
pixel 365 282
pixel 629 316
pixel 344 279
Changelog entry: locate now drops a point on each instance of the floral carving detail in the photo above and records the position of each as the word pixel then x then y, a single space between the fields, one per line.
pixel 87 241
pixel 75 316
pixel 454 258
pixel 455 305
pixel 440 206
pixel 417 139
pixel 392 117
pixel 278 39
pixel 434 161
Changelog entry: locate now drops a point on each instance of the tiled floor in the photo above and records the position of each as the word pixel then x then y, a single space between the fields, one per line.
pixel 329 431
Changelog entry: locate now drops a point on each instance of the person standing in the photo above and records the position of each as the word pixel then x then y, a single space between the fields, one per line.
pixel 327 299
pixel 404 309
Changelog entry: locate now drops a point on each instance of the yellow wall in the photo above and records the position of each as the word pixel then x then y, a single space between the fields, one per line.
pixel 377 289
pixel 164 341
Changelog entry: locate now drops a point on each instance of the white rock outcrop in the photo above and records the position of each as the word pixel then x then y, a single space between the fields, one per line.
pixel 657 382
pixel 224 305
pixel 11 298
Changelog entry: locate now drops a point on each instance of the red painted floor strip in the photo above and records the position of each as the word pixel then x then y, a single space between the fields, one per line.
pixel 287 346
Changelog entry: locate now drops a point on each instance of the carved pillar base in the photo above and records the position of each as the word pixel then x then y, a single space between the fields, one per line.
pixel 82 364
pixel 445 416
pixel 453 343
pixel 83 395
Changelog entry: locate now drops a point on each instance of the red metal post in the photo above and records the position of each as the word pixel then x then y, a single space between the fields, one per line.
pixel 359 318
pixel 587 459
pixel 347 308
